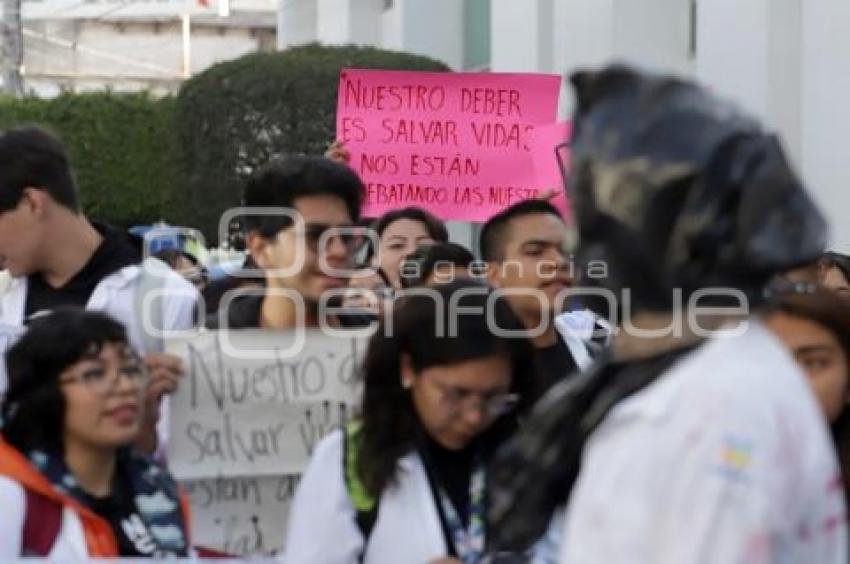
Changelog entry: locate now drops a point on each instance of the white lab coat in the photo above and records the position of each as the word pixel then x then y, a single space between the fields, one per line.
pixel 115 295
pixel 726 459
pixel 322 526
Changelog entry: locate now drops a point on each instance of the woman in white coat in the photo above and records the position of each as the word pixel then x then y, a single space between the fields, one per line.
pixel 71 486
pixel 408 483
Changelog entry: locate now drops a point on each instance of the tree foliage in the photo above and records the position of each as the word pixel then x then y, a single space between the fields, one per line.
pixel 122 148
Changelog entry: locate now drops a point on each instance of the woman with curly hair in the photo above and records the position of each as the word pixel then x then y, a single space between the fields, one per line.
pixel 71 486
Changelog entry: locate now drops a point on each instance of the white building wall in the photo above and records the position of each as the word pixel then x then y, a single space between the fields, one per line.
pixel 93 55
pixel 392 28
pixel 733 52
pixel 787 61
pixel 297 22
pixel 825 115
pixel 340 22
pixel 785 72
pixel 365 21
pixel 433 28
pixel 653 34
pixel 522 36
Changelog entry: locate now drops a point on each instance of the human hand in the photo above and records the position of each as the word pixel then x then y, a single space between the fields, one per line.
pixel 165 372
pixel 338 152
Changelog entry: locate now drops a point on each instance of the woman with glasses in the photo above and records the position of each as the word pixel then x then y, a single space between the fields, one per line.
pixel 71 488
pixel 444 378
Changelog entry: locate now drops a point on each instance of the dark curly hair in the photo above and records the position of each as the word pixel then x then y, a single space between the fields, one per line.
pixel 33 411
pixel 390 424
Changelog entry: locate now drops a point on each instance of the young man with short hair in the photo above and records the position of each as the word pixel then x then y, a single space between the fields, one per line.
pixel 301 259
pixel 525 247
pixel 57 257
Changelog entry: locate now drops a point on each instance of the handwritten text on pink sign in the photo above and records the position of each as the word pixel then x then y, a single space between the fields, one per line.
pixel 457 144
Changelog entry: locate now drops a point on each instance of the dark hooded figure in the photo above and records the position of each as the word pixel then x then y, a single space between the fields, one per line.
pixel 697 438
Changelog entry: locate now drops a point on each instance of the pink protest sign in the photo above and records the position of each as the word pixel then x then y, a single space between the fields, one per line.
pixel 457 144
pixel 543 142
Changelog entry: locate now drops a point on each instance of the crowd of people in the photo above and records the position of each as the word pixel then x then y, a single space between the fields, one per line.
pixel 661 377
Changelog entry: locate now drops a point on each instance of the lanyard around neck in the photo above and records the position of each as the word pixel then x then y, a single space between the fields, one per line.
pixel 469 540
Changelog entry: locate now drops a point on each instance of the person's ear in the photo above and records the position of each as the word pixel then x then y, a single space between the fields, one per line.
pixel 494 274
pixel 406 371
pixel 36 202
pixel 261 250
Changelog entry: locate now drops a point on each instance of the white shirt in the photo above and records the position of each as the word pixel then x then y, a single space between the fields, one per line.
pixel 116 295
pixel 322 526
pixel 577 328
pixel 725 459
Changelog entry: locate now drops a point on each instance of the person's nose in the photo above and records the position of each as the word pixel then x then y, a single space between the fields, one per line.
pixel 336 251
pixel 558 258
pixel 123 383
pixel 475 413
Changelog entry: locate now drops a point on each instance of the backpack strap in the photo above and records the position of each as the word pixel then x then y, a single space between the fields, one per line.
pixel 365 505
pixel 42 523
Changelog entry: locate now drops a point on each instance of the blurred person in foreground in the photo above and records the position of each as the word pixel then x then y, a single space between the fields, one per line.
pixel 698 440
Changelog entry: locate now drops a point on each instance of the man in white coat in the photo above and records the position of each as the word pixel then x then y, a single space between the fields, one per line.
pixel 698 440
pixel 56 257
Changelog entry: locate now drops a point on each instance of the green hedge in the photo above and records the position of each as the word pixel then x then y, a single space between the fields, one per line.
pixel 139 159
pixel 122 147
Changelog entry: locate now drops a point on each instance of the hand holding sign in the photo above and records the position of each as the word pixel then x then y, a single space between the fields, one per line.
pixel 338 152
